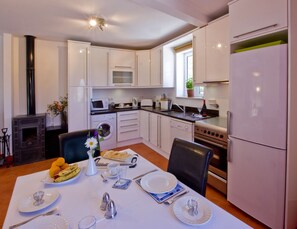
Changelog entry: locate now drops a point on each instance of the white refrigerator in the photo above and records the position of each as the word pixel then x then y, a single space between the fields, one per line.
pixel 257 121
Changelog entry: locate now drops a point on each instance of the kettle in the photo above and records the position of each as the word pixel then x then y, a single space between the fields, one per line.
pixel 134 102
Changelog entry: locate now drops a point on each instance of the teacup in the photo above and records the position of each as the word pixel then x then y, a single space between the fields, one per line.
pixel 113 168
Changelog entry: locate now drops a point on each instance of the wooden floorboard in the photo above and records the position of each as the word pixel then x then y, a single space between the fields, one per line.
pixel 9 175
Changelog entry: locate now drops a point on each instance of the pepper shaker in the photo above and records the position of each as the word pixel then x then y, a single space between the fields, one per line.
pixel 111 210
pixel 104 202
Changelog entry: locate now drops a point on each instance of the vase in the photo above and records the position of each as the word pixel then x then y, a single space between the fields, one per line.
pixel 91 169
pixel 64 119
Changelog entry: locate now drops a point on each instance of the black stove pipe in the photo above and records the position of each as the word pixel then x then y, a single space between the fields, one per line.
pixel 30 74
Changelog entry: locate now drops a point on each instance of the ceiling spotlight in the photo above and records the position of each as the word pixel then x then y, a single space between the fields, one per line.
pixel 96 22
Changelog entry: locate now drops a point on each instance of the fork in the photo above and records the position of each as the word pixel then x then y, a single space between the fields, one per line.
pixel 26 221
pixel 170 201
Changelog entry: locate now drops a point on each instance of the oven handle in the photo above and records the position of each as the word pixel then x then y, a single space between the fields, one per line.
pixel 210 142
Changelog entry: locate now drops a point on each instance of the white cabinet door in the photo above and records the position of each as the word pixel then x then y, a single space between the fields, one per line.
pixel 154 130
pixel 144 125
pixel 77 63
pixel 165 135
pixel 256 181
pixel 122 59
pixel 78 109
pixel 143 68
pixel 251 18
pixel 156 66
pixel 98 67
pixel 199 55
pixel 217 50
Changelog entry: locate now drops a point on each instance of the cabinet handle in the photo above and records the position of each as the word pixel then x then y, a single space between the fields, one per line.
pixel 129 125
pixel 127 131
pixel 229 150
pixel 256 30
pixel 159 131
pixel 119 66
pixel 194 58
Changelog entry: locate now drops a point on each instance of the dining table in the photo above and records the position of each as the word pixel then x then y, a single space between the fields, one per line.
pixel 82 197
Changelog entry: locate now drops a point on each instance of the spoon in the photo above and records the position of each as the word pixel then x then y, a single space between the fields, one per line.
pixel 104 179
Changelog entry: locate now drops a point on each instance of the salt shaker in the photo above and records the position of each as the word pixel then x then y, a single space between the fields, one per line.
pixel 111 210
pixel 104 202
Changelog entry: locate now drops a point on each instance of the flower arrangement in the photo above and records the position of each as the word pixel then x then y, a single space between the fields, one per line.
pixel 93 142
pixel 58 107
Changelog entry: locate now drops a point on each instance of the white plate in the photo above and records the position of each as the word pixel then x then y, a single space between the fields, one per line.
pixel 180 210
pixel 158 182
pixel 27 204
pixel 49 180
pixel 47 222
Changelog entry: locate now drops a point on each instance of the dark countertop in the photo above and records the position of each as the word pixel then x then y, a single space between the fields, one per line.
pixel 178 114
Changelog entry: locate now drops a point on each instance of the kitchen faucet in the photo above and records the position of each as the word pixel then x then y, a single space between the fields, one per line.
pixel 182 109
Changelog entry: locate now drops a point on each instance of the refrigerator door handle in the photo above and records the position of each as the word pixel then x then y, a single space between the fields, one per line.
pixel 228 122
pixel 229 150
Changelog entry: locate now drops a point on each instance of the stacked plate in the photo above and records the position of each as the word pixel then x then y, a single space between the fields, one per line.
pixel 158 182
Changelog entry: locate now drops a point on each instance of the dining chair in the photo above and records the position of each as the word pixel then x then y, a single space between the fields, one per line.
pixel 189 162
pixel 72 145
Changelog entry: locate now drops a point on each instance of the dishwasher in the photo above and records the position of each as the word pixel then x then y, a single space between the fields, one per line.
pixel 181 129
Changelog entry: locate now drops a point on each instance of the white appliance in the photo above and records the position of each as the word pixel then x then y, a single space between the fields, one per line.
pixel 181 129
pixel 109 131
pixel 257 133
pixel 98 104
pixel 146 103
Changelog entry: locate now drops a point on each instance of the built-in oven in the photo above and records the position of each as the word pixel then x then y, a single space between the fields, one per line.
pixel 214 137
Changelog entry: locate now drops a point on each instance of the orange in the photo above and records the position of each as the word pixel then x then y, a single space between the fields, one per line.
pixel 54 170
pixel 60 161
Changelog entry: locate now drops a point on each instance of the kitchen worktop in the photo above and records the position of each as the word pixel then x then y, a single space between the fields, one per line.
pixel 189 116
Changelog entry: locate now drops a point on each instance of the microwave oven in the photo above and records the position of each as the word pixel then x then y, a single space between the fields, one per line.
pixel 122 77
pixel 98 104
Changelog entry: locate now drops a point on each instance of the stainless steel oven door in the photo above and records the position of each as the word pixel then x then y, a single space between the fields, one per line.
pixel 217 172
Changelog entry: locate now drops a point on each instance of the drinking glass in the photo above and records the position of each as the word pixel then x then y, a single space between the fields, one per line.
pixel 122 174
pixel 88 222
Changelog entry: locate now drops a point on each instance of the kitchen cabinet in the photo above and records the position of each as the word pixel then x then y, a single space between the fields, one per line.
pixel 121 59
pixel 78 108
pixel 98 75
pixel 156 66
pixel 143 67
pixel 252 18
pixel 78 94
pixel 128 125
pixel 77 63
pixel 199 62
pixel 217 50
pixel 159 132
pixel 144 125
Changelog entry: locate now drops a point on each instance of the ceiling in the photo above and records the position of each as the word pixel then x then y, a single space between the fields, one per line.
pixel 134 24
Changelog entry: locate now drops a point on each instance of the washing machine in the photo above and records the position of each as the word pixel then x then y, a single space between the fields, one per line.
pixel 108 124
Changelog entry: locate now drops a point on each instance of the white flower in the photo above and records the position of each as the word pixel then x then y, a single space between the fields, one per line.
pixel 91 143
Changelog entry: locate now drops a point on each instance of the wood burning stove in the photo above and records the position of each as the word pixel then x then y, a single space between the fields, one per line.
pixel 28 138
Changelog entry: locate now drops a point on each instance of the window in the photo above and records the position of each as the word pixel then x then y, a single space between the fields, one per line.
pixel 184 71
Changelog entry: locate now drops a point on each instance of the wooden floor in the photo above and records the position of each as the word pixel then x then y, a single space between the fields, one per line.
pixel 8 177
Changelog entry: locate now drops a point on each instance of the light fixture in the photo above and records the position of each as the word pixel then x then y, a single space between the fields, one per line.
pixel 96 22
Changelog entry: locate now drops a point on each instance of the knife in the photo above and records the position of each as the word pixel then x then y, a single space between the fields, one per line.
pixel 24 222
pixel 135 178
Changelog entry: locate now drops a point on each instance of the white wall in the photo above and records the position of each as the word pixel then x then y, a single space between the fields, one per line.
pixel 50 74
pixel 1 83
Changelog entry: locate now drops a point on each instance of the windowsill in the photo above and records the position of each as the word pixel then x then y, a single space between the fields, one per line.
pixel 191 98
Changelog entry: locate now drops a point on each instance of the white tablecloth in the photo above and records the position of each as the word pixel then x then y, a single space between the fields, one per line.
pixel 136 209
